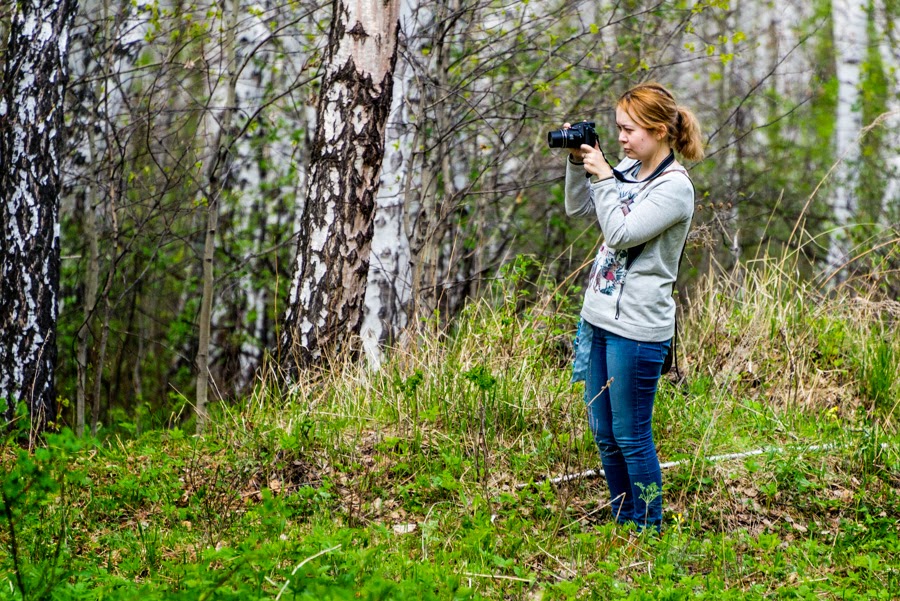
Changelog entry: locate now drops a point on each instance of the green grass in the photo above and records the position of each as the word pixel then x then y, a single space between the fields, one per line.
pixel 405 484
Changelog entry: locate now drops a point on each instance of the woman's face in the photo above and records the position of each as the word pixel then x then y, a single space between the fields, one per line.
pixel 637 142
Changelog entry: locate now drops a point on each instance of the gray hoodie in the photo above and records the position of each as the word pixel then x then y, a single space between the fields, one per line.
pixel 657 213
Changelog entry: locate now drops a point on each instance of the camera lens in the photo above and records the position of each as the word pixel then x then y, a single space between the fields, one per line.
pixel 558 138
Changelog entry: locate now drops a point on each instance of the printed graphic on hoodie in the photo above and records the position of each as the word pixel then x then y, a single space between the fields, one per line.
pixel 609 271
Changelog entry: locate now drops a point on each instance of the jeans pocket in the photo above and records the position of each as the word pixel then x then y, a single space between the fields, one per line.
pixel 652 352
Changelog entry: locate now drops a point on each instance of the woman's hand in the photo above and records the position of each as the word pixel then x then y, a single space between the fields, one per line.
pixel 594 161
pixel 576 153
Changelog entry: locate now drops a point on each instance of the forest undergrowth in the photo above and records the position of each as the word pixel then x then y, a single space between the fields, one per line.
pixel 429 478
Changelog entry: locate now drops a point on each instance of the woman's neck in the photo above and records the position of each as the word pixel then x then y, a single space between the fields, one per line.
pixel 649 166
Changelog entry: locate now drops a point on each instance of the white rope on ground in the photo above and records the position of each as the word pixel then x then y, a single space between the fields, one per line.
pixel 669 464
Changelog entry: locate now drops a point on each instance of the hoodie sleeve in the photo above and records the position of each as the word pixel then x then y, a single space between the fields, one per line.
pixel 581 195
pixel 669 200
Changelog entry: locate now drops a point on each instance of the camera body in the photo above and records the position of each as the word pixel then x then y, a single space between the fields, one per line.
pixel 580 133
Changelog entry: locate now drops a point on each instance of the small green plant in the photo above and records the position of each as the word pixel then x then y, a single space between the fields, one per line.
pixel 35 513
pixel 649 493
pixel 880 372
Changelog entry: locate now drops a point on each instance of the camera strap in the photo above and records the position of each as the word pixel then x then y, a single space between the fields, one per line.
pixel 660 169
pixel 635 251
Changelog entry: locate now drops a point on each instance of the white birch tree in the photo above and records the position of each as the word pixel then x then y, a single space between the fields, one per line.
pixel 886 24
pixel 32 90
pixel 850 38
pixel 389 285
pixel 271 59
pixel 325 306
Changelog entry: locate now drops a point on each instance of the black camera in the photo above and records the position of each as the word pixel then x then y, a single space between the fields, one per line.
pixel 574 137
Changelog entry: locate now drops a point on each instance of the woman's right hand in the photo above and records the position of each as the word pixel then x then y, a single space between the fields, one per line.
pixel 576 153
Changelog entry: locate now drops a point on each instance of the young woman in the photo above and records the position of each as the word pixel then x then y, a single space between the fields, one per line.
pixel 644 207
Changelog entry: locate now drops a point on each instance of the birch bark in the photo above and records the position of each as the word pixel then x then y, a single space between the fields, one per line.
pixel 890 202
pixel 389 285
pixel 325 306
pixel 850 37
pixel 31 144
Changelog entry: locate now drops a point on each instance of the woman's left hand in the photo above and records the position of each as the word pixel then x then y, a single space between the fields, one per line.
pixel 595 163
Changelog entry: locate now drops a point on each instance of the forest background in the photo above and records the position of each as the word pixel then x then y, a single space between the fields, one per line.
pixel 187 193
pixel 185 119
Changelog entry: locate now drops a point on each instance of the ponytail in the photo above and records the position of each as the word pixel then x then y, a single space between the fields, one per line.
pixel 687 140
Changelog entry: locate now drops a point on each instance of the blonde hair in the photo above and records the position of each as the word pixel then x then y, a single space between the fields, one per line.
pixel 653 107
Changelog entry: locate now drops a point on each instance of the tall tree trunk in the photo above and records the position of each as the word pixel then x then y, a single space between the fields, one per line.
pixel 389 286
pixel 217 176
pixel 91 285
pixel 890 57
pixel 850 38
pixel 325 306
pixel 31 145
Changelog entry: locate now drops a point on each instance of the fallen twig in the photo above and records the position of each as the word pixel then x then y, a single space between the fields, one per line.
pixel 300 565
pixel 588 474
pixel 498 577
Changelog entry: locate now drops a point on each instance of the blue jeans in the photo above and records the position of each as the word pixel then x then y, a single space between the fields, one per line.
pixel 620 417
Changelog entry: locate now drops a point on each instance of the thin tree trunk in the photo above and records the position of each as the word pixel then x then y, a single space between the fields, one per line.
pixel 107 304
pixel 890 202
pixel 212 216
pixel 850 38
pixel 31 145
pixel 325 307
pixel 101 359
pixel 90 302
pixel 216 175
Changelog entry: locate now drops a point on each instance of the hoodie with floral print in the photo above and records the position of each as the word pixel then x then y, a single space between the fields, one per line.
pixel 630 294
